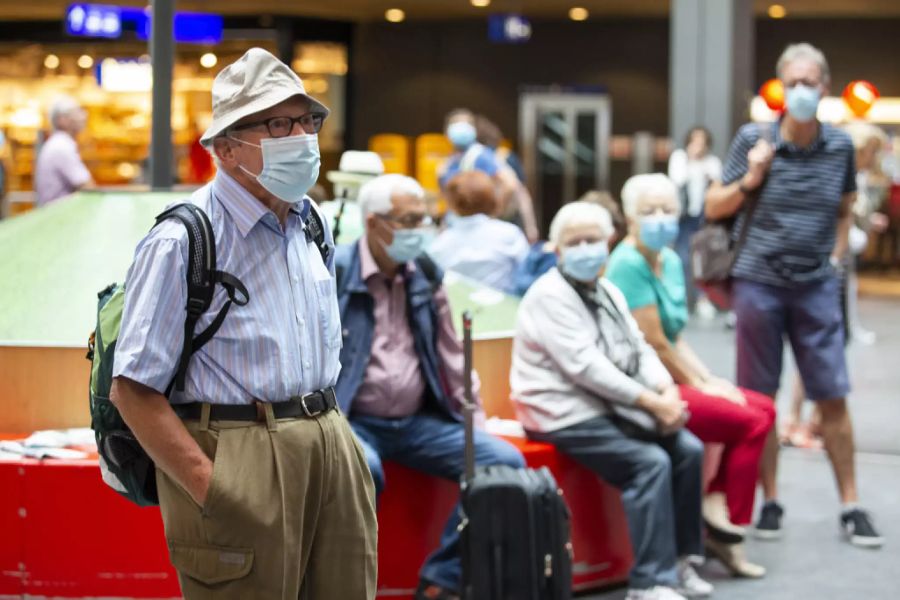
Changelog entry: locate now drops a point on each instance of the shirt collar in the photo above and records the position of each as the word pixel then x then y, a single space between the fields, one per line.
pixel 782 144
pixel 245 209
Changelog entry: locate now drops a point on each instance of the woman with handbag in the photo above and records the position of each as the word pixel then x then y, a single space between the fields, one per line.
pixel 650 276
pixel 583 379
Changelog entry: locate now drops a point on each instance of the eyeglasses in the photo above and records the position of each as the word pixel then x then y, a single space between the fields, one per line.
pixel 283 126
pixel 411 221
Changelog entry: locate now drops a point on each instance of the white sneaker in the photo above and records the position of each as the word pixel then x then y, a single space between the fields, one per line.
pixel 657 593
pixel 691 585
pixel 705 309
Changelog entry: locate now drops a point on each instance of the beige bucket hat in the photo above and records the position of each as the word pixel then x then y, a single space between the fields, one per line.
pixel 253 83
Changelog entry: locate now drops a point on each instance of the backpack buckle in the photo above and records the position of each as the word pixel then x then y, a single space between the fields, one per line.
pixel 195 307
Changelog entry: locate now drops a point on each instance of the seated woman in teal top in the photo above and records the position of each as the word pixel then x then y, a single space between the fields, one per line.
pixel 631 273
pixel 651 278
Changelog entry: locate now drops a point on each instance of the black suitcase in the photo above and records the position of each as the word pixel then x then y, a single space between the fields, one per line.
pixel 515 540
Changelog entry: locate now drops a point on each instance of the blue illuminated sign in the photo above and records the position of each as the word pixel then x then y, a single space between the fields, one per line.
pixel 196 28
pixel 509 29
pixel 94 20
pixel 100 20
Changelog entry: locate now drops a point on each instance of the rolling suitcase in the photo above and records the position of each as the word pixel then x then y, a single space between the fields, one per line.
pixel 515 542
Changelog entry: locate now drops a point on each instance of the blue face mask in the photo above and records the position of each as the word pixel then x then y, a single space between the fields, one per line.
pixel 461 134
pixel 290 165
pixel 408 244
pixel 802 102
pixel 583 262
pixel 658 231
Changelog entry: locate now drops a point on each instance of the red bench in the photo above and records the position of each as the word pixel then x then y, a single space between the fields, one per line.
pixel 65 534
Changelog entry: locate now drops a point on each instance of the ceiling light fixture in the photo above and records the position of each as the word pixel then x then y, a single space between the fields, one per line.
pixel 394 15
pixel 52 61
pixel 777 11
pixel 480 3
pixel 208 60
pixel 85 61
pixel 578 13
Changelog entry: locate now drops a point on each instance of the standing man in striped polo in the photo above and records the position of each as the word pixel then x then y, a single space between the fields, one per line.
pixel 801 172
pixel 263 489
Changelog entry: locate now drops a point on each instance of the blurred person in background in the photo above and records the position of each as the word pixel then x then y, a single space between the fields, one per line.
pixel 692 170
pixel 515 202
pixel 476 243
pixel 650 276
pixel 488 134
pixel 786 283
pixel 4 176
pixel 584 380
pixel 59 170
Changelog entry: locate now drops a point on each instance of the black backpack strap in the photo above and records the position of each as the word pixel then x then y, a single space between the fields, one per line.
pixel 315 233
pixel 202 277
pixel 430 270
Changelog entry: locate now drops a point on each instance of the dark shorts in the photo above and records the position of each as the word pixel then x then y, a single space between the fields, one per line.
pixel 810 317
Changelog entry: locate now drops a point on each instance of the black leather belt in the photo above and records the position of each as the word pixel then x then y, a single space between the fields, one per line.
pixel 310 405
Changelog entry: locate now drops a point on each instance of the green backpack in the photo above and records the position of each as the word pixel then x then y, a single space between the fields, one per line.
pixel 124 465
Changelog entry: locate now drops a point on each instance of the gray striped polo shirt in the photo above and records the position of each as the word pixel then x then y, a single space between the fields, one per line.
pixel 793 230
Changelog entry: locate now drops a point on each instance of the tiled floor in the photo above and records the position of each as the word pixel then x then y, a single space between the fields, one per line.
pixel 812 562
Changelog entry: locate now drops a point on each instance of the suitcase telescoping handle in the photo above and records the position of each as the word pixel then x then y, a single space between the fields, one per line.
pixel 469 405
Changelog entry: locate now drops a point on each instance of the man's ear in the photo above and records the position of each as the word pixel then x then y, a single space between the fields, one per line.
pixel 224 150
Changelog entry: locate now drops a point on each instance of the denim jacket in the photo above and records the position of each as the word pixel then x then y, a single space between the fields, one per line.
pixel 358 327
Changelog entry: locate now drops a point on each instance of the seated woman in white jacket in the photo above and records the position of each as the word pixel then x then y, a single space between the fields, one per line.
pixel 584 379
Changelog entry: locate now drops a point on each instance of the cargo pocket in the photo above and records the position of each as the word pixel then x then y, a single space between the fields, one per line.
pixel 211 564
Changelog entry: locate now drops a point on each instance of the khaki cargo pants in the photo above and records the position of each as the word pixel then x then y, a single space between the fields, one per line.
pixel 290 513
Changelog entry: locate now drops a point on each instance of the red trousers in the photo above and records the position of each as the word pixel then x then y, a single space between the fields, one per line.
pixel 743 431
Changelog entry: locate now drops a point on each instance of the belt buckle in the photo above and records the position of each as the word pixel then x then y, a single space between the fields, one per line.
pixel 305 408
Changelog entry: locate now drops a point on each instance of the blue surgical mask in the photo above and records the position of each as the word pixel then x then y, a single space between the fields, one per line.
pixel 462 134
pixel 583 262
pixel 658 231
pixel 290 165
pixel 802 102
pixel 408 244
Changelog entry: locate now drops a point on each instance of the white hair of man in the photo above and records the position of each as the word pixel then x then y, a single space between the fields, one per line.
pixel 580 213
pixel 804 51
pixel 641 186
pixel 375 195
pixel 62 106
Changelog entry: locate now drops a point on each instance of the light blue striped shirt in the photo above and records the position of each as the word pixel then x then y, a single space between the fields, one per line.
pixel 286 341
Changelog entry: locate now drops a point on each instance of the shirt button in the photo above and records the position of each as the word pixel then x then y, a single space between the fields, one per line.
pixel 306 364
pixel 296 279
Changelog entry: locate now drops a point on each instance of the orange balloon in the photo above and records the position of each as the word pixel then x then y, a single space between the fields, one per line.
pixel 860 96
pixel 772 92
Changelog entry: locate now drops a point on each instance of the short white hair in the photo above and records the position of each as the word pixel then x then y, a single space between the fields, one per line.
pixel 580 213
pixel 648 184
pixel 375 195
pixel 803 51
pixel 61 106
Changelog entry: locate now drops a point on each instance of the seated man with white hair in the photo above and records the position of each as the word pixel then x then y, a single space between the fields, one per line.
pixel 59 170
pixel 402 379
pixel 584 379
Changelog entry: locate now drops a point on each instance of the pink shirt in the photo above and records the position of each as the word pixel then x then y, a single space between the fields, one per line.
pixel 393 385
pixel 59 170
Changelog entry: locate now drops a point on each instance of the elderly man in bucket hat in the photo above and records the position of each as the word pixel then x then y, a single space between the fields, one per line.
pixel 264 491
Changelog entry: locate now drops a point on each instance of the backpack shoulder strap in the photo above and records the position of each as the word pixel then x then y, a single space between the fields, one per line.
pixel 202 277
pixel 315 232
